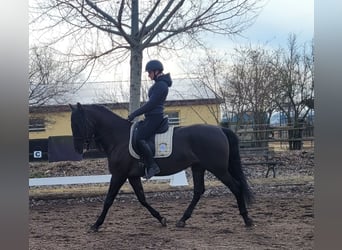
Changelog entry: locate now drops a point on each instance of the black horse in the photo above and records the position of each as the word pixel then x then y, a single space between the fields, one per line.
pixel 203 147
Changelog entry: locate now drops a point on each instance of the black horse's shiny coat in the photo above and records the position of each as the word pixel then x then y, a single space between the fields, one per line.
pixel 201 147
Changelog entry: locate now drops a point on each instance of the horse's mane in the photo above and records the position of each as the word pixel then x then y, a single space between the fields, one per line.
pixel 100 107
pixel 104 109
pixel 111 118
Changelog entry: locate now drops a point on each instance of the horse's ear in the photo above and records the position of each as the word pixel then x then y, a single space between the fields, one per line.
pixel 79 106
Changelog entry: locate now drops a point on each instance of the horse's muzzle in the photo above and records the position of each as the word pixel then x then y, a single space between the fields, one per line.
pixel 78 146
pixel 79 150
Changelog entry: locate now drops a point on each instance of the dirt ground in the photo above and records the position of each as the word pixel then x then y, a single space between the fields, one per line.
pixel 283 216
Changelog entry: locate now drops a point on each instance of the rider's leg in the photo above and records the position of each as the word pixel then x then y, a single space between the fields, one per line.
pixel 147 155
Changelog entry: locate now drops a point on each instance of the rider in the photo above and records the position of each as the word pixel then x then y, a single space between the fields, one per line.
pixel 153 111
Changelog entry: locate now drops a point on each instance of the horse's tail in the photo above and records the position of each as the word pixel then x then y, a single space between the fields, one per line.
pixel 235 167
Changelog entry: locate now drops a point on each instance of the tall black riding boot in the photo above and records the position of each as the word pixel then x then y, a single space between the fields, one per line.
pixel 151 167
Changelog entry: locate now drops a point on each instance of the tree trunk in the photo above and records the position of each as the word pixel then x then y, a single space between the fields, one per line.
pixel 260 133
pixel 295 137
pixel 135 84
pixel 298 135
pixel 136 59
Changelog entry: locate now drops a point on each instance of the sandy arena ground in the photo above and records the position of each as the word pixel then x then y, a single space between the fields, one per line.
pixel 282 212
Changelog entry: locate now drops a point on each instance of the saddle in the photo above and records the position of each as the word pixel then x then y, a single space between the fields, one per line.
pixel 160 143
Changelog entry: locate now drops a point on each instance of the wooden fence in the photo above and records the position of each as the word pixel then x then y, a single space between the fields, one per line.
pixel 276 137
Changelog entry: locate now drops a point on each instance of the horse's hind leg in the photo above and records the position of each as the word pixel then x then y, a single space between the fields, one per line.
pixel 237 190
pixel 139 192
pixel 198 179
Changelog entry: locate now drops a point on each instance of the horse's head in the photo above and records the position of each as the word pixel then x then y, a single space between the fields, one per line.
pixel 82 130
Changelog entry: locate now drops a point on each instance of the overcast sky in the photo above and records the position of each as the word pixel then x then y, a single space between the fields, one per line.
pixel 276 21
pixel 281 17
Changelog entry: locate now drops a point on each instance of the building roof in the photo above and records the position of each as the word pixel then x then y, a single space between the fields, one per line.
pixel 124 105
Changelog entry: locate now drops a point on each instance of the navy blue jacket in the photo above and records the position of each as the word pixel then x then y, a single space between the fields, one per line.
pixel 156 97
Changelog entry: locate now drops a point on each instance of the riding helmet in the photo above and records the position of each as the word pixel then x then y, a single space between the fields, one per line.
pixel 154 65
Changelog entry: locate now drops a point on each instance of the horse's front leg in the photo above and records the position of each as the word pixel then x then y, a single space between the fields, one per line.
pixel 114 187
pixel 139 192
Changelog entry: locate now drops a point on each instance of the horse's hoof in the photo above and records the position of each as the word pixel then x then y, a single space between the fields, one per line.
pixel 180 224
pixel 163 221
pixel 249 223
pixel 93 229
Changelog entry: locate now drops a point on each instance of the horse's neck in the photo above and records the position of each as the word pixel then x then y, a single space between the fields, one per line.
pixel 111 130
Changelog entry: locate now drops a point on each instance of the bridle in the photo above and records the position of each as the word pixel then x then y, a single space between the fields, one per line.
pixel 88 134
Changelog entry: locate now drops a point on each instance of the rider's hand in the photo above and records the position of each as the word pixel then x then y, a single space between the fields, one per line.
pixel 130 117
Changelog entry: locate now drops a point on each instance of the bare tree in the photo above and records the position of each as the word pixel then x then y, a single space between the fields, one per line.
pixel 103 28
pixel 253 88
pixel 117 92
pixel 258 82
pixel 252 81
pixel 243 86
pixel 114 93
pixel 50 79
pixel 207 76
pixel 294 73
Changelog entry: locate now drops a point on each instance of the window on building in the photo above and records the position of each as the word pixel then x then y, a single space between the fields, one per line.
pixel 36 124
pixel 173 118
